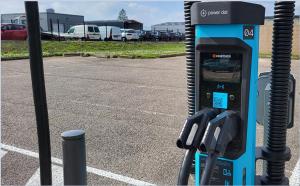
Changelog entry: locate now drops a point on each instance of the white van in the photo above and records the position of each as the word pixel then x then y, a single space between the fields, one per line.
pixel 89 32
pixel 110 33
pixel 129 34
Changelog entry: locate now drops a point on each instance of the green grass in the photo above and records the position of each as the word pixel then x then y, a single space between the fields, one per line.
pixel 19 49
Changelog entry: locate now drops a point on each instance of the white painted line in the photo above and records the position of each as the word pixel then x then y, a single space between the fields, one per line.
pixel 96 171
pixel 295 177
pixel 57 177
pixel 28 153
pixel 2 153
pixel 118 177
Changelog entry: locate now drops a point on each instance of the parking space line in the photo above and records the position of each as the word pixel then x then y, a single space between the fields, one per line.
pixel 96 171
pixel 2 153
pixel 295 177
pixel 57 177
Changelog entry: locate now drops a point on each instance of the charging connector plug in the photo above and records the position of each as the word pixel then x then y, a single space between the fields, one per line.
pixel 194 128
pixel 219 132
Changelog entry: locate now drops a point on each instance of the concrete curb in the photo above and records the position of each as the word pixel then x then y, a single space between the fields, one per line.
pixel 72 54
pixel 82 54
pixel 171 55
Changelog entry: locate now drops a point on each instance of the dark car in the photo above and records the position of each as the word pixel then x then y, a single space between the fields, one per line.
pixel 50 36
pixel 173 36
pixel 13 32
pixel 164 36
pixel 156 36
pixel 147 36
pixel 180 36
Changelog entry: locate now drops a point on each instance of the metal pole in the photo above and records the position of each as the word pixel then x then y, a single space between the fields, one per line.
pixel 58 29
pixel 105 30
pixel 39 92
pixel 51 27
pixel 74 158
pixel 84 31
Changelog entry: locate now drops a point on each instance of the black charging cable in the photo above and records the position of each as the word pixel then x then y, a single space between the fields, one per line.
pixel 190 138
pixel 219 132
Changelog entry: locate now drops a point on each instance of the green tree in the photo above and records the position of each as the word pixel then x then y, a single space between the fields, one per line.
pixel 122 15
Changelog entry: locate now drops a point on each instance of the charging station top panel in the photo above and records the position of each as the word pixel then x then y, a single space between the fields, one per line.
pixel 227 12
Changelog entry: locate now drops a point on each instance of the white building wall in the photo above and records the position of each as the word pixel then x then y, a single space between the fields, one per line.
pixel 172 27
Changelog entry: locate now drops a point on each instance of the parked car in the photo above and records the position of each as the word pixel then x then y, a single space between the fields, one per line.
pixel 129 34
pixel 156 36
pixel 89 32
pixel 139 33
pixel 165 36
pixel 52 36
pixel 110 33
pixel 147 36
pixel 172 36
pixel 180 36
pixel 13 32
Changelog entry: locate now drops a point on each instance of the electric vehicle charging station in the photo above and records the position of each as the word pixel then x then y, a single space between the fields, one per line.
pixel 221 130
pixel 222 62
pixel 226 69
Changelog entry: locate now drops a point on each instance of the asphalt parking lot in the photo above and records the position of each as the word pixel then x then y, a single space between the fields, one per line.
pixel 131 109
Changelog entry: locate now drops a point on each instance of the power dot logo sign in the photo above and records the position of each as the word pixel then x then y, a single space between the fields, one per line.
pixel 203 13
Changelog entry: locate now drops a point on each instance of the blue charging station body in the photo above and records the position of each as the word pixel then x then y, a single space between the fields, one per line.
pixel 222 41
pixel 247 160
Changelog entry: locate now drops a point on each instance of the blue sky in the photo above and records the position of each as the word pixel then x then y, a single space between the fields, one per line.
pixel 148 12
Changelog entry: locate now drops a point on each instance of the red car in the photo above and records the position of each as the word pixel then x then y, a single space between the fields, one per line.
pixel 13 32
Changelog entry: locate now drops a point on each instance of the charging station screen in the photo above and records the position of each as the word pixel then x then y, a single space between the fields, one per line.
pixel 220 80
pixel 221 67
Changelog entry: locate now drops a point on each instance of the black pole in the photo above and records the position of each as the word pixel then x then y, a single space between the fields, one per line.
pixel 84 31
pixel 51 27
pixel 106 31
pixel 58 30
pixel 39 92
pixel 278 152
pixel 190 56
pixel 74 158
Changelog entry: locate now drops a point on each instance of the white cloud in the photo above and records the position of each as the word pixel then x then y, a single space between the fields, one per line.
pixel 146 12
pixel 132 5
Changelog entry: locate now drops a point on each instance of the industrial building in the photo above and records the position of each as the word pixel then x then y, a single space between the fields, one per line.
pixel 169 27
pixel 265 35
pixel 128 24
pixel 49 20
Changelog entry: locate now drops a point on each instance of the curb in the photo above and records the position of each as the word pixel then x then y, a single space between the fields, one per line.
pixel 82 54
pixel 171 55
pixel 72 54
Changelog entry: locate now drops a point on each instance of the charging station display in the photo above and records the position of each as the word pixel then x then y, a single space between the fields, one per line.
pixel 220 80
pixel 221 67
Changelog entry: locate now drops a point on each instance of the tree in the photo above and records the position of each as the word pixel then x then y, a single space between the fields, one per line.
pixel 122 15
